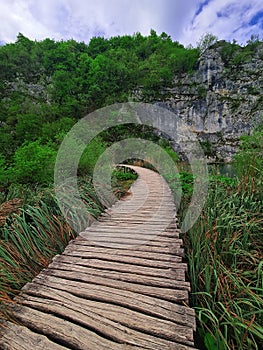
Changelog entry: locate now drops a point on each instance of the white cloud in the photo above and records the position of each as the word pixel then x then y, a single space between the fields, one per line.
pixel 15 17
pixel 82 19
pixel 227 19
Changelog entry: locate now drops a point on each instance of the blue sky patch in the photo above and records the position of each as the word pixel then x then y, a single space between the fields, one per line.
pixel 201 6
pixel 258 18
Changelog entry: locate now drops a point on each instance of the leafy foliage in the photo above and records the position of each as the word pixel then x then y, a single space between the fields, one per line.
pixel 34 163
pixel 46 86
pixel 206 41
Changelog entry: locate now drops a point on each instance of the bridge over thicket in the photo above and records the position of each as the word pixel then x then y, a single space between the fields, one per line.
pixel 124 289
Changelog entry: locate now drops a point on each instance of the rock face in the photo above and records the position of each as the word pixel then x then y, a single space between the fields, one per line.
pixel 219 101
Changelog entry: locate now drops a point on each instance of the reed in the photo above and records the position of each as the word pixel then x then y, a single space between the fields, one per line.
pixel 224 253
pixel 30 239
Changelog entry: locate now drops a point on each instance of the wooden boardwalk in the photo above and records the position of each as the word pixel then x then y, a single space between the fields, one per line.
pixel 119 285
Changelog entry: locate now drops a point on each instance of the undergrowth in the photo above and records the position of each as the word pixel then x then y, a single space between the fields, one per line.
pixel 224 253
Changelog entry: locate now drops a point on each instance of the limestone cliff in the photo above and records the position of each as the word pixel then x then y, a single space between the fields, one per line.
pixel 221 100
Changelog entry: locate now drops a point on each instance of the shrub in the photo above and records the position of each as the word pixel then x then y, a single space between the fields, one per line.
pixel 33 163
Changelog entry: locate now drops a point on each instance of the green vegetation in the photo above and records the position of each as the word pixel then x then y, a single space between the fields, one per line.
pixel 234 55
pixel 224 253
pixel 122 179
pixel 206 41
pixel 30 238
pixel 46 86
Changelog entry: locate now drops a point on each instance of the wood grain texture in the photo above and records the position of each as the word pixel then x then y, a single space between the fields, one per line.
pixel 119 285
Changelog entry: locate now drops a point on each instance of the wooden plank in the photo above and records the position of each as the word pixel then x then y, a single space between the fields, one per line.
pixel 173 262
pixel 176 282
pixel 88 332
pixel 142 303
pixel 145 233
pixel 176 270
pixel 17 337
pixel 63 331
pixel 128 325
pixel 162 248
pixel 178 295
pixel 128 239
pixel 151 252
pixel 130 221
pixel 150 233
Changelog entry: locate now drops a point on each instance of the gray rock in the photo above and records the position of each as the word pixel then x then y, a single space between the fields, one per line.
pixel 218 102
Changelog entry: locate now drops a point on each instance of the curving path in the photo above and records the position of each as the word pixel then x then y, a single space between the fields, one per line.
pixel 119 285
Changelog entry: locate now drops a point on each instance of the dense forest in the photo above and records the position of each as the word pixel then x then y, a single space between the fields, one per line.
pixel 45 88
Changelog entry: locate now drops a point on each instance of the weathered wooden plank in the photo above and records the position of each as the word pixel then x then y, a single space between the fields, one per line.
pixel 176 270
pixel 86 333
pixel 128 238
pixel 143 251
pixel 122 259
pixel 175 295
pixel 134 257
pixel 149 232
pixel 146 246
pixel 17 337
pixel 110 309
pixel 63 331
pixel 103 318
pixel 142 303
pixel 131 221
pixel 146 232
pixel 176 282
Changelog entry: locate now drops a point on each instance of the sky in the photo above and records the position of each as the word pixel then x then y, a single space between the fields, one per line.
pixel 185 21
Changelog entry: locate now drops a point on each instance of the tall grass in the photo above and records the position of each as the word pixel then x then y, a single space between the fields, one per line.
pixel 225 257
pixel 30 239
pixel 224 251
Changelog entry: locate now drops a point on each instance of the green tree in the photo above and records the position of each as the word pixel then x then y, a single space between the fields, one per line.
pixel 206 41
pixel 28 127
pixel 56 131
pixel 97 46
pixel 34 163
pixel 90 156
